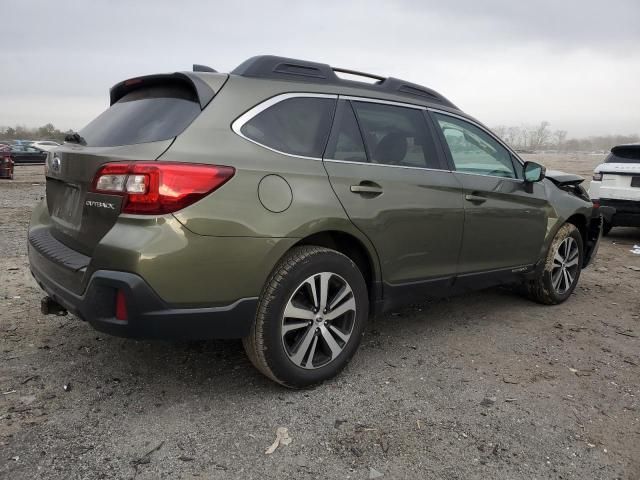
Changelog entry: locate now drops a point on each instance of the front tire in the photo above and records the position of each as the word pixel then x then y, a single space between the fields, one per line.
pixel 559 275
pixel 310 318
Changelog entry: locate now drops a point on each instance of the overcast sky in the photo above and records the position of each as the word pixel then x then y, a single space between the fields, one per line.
pixel 573 63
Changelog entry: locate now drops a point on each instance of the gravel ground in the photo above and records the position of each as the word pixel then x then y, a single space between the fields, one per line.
pixel 486 385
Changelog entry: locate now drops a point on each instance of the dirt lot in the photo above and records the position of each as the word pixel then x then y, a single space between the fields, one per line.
pixel 487 385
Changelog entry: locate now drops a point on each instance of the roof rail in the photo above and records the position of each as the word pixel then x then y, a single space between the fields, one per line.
pixel 359 74
pixel 270 66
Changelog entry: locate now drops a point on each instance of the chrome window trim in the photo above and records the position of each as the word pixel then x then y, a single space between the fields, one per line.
pixel 239 122
pixel 333 160
pixel 383 102
pixel 519 180
pixel 484 129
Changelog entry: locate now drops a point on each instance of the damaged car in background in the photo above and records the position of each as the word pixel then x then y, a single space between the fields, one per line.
pixel 284 204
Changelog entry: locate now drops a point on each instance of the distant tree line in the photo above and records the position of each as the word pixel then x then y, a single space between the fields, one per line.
pixel 542 138
pixel 534 138
pixel 45 132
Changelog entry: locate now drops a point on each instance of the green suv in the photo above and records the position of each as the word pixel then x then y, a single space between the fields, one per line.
pixel 284 204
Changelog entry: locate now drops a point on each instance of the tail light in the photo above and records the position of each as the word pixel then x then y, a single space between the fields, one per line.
pixel 597 177
pixel 155 188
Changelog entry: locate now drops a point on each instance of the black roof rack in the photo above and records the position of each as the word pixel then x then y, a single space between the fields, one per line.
pixel 270 66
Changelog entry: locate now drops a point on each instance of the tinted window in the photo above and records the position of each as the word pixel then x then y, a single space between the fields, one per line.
pixel 624 154
pixel 473 150
pixel 345 142
pixel 298 126
pixel 144 115
pixel 395 135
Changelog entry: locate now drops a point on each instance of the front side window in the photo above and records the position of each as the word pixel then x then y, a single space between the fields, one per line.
pixel 395 135
pixel 473 150
pixel 297 126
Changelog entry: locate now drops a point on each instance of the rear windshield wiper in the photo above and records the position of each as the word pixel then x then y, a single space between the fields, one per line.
pixel 75 137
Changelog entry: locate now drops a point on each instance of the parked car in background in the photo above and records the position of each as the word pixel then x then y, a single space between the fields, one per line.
pixel 616 184
pixel 46 145
pixel 22 142
pixel 282 204
pixel 27 154
pixel 6 162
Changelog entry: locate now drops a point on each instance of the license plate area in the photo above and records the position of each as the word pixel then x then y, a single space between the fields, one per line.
pixel 66 204
pixel 635 182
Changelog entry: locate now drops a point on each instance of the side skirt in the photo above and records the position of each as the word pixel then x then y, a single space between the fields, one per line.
pixel 400 295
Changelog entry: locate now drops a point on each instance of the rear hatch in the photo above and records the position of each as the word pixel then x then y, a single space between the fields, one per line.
pixel 145 116
pixel 621 174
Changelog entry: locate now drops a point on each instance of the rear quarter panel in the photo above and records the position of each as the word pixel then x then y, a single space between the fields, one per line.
pixel 236 210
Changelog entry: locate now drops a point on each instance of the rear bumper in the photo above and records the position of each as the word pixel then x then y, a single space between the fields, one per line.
pixel 148 316
pixel 626 212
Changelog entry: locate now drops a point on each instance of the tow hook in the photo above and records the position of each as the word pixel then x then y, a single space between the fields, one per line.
pixel 48 306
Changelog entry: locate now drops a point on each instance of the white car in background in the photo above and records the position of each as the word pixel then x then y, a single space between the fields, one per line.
pixel 616 184
pixel 46 145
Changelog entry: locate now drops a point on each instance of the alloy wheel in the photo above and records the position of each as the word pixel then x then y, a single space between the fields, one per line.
pixel 565 265
pixel 318 320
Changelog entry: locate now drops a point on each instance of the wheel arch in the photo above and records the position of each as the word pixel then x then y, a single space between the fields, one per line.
pixel 580 222
pixel 362 255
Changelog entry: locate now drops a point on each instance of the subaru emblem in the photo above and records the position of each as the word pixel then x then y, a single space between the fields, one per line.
pixel 56 165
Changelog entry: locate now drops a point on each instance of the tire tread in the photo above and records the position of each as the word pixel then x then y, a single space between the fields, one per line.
pixel 254 343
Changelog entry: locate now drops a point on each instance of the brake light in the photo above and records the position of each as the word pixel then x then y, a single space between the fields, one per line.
pixel 154 188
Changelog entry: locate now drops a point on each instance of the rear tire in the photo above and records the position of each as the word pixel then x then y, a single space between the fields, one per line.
pixel 310 318
pixel 559 275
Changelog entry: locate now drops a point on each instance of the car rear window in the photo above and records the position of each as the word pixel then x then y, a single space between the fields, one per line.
pixel 624 154
pixel 144 115
pixel 297 126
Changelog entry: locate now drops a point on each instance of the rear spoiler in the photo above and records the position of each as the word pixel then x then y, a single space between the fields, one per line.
pixel 203 91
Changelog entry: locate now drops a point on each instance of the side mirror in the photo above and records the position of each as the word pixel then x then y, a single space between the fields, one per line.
pixel 533 172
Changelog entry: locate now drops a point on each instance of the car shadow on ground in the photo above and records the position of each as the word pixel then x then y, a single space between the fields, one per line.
pixel 213 368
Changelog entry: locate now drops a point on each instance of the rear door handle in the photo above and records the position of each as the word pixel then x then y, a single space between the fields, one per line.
pixel 474 198
pixel 367 187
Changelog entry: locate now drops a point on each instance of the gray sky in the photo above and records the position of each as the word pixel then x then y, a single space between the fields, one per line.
pixel 573 63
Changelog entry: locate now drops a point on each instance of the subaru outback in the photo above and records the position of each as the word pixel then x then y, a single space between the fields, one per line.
pixel 284 204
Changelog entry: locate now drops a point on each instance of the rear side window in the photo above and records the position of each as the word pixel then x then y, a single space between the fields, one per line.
pixel 345 142
pixel 396 135
pixel 144 115
pixel 297 126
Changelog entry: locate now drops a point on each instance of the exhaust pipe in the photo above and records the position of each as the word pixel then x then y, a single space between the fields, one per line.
pixel 48 306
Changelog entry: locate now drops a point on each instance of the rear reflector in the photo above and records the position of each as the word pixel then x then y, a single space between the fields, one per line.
pixel 121 306
pixel 155 188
